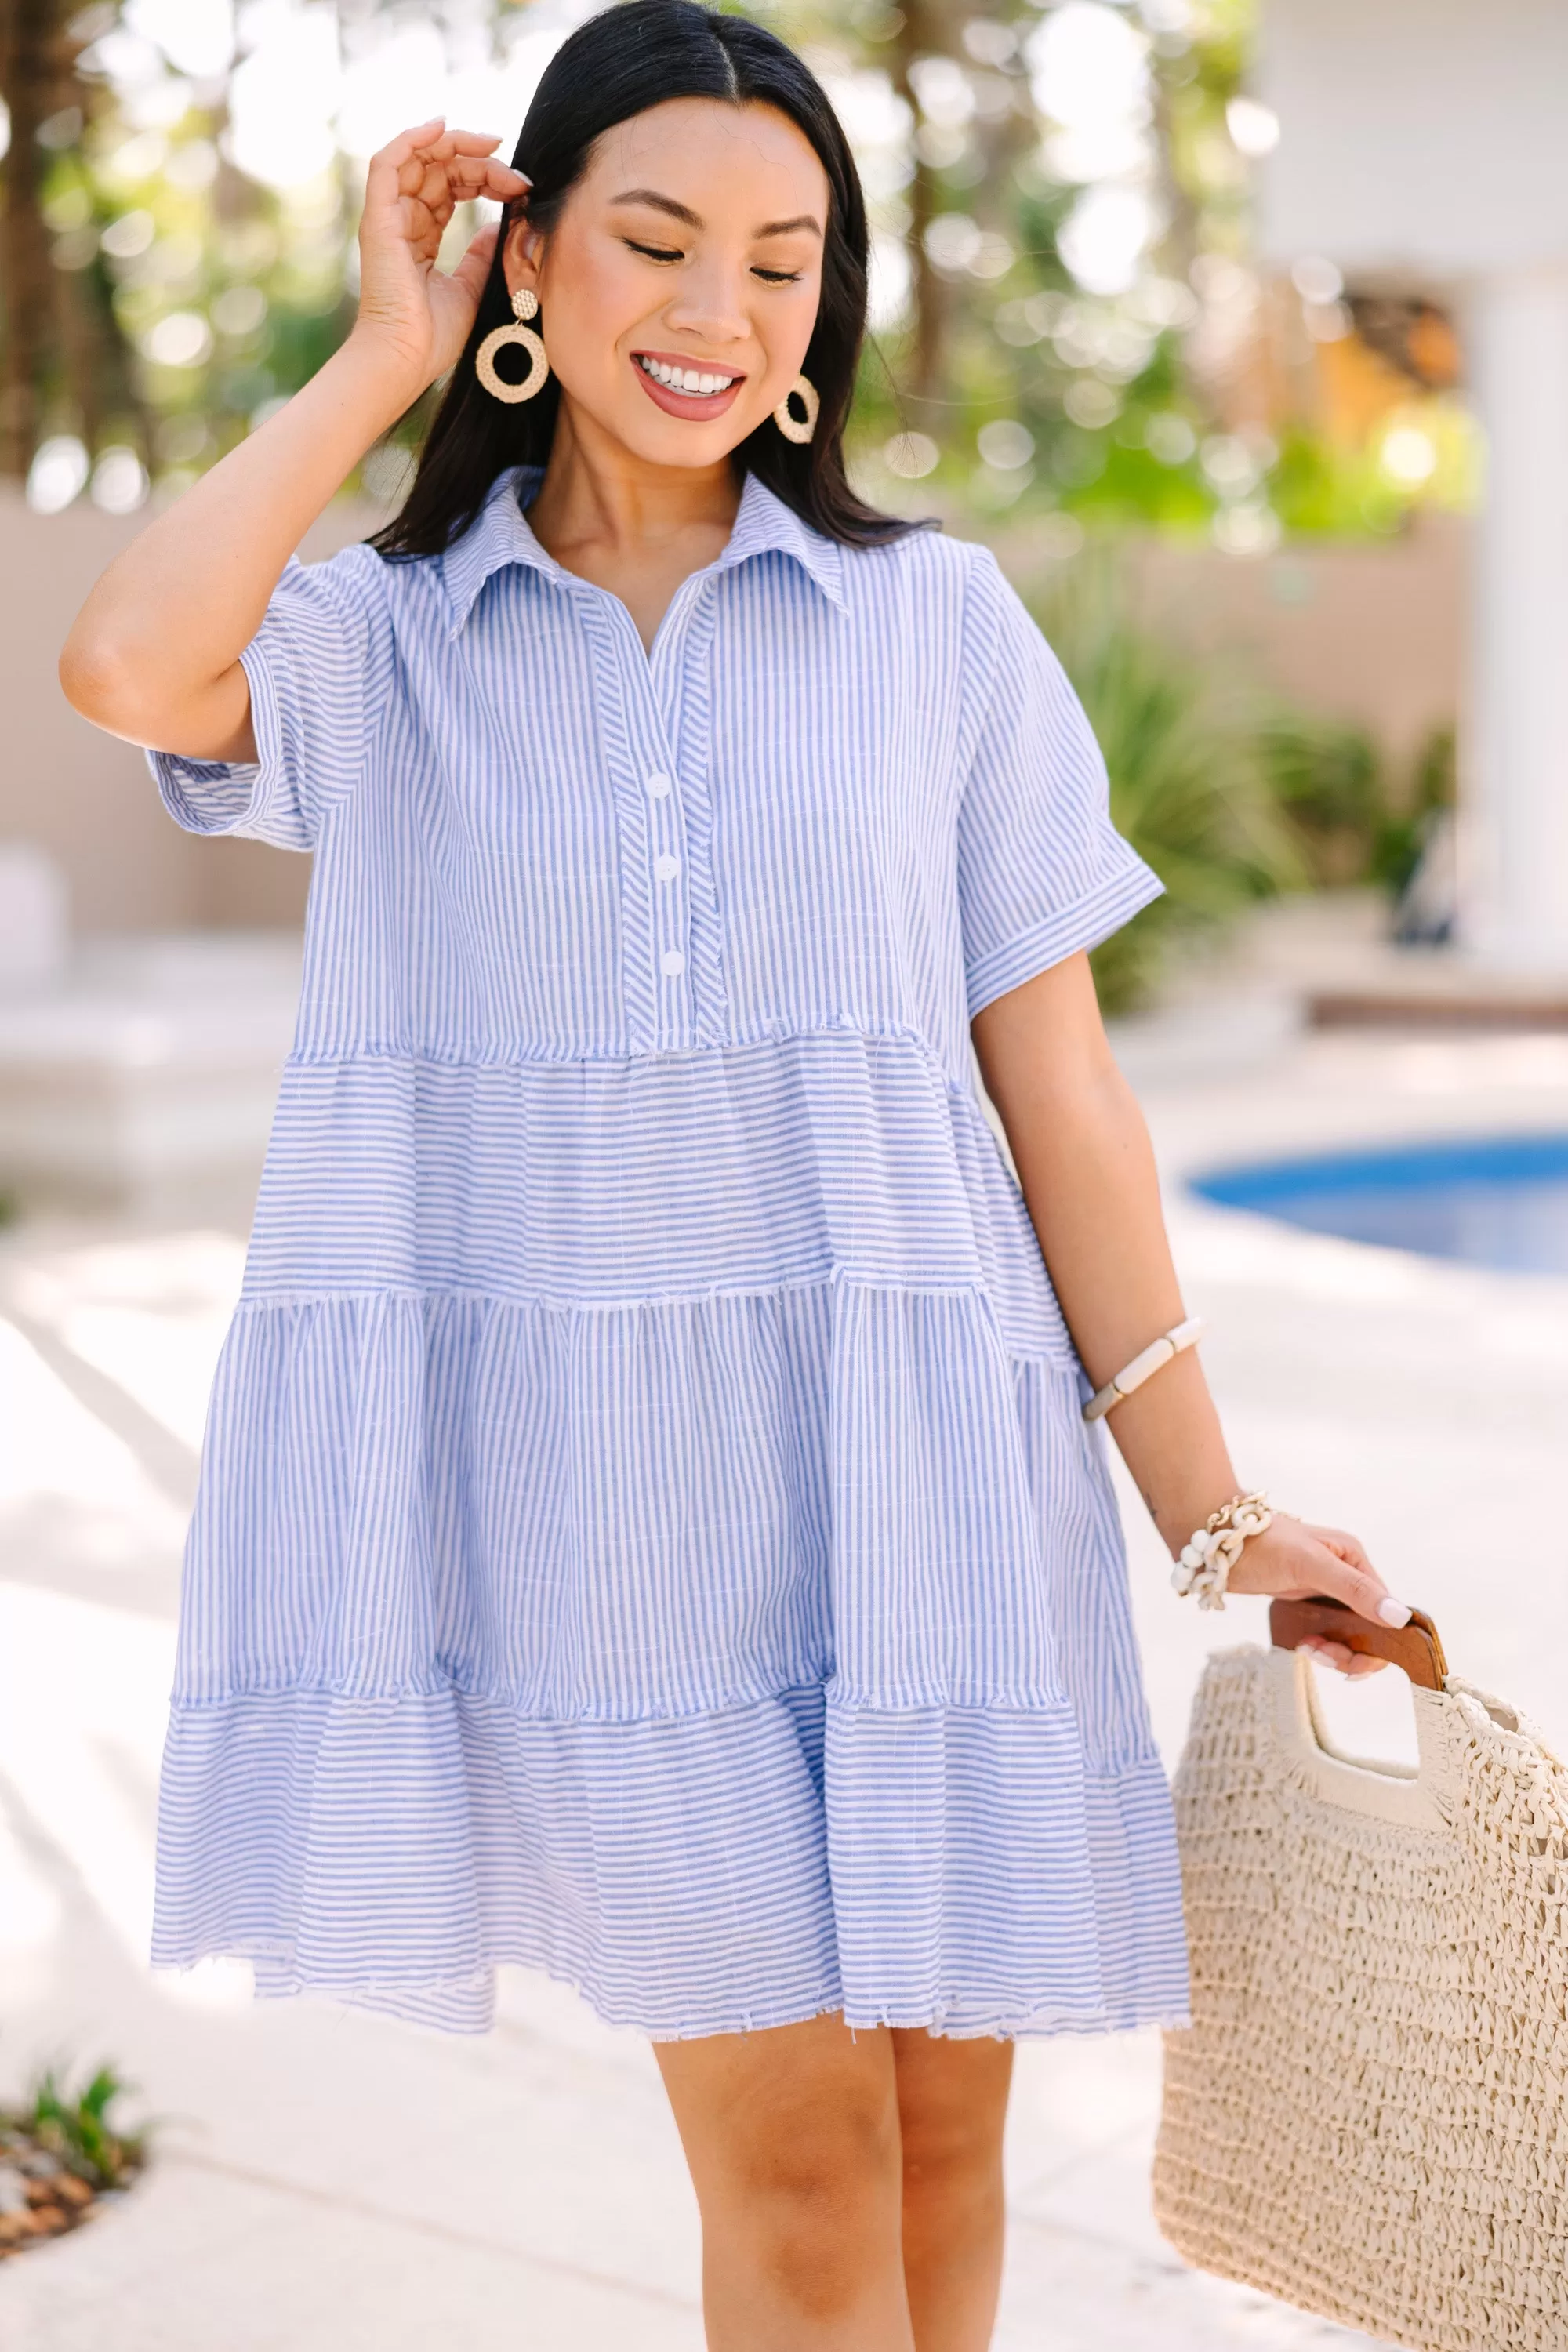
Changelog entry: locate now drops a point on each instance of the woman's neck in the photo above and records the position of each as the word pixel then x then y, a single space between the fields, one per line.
pixel 634 528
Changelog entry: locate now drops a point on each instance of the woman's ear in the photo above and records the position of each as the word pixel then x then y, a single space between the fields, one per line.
pixel 520 259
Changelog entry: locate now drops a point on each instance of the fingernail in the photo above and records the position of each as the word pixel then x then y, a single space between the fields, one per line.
pixel 1394 1612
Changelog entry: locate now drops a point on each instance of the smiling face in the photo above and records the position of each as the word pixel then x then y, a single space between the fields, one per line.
pixel 678 286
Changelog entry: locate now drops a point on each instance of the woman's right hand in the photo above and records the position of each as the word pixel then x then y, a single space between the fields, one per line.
pixel 415 316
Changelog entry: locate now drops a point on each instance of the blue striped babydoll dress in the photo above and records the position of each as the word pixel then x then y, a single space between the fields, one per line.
pixel 646 1532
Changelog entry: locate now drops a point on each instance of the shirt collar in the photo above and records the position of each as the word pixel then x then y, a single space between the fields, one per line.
pixel 765 526
pixel 500 535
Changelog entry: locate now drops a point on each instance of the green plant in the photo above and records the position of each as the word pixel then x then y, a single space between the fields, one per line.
pixel 1327 776
pixel 1354 820
pixel 1405 832
pixel 75 2128
pixel 1188 788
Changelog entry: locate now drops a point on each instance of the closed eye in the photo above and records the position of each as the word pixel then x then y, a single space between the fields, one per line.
pixel 663 252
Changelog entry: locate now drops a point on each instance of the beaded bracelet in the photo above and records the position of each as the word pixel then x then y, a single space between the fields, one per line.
pixel 1212 1549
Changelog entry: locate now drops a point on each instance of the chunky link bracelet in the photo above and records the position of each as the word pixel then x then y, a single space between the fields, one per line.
pixel 1212 1549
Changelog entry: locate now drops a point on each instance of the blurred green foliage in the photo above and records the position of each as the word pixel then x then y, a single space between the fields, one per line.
pixel 1190 786
pixel 1019 373
pixel 1327 779
pixel 1231 800
pixel 77 2126
pixel 1356 816
pixel 225 295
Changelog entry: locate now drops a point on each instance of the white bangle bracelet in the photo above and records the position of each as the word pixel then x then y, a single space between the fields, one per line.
pixel 1154 1358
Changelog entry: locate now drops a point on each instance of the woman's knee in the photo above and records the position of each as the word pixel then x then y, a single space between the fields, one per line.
pixel 793 2139
pixel 953 2104
pixel 948 2156
pixel 816 2194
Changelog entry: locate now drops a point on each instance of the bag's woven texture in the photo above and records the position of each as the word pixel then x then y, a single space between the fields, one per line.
pixel 1369 2113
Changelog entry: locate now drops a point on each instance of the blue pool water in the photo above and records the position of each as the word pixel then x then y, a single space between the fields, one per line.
pixel 1497 1200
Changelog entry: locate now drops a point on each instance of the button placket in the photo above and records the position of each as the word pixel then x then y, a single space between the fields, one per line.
pixel 657 758
pixel 683 685
pixel 640 769
pixel 666 900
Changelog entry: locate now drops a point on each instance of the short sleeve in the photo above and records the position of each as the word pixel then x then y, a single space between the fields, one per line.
pixel 1042 871
pixel 316 667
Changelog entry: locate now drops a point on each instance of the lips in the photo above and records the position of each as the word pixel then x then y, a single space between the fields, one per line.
pixel 682 387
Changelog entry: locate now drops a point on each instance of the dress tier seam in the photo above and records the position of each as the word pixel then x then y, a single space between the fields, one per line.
pixel 837 1277
pixel 898 1707
pixel 770 1032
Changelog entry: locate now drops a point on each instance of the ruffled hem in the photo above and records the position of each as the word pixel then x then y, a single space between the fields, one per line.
pixel 954 1868
pixel 734 1659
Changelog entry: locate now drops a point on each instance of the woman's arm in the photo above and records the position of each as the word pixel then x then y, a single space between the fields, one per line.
pixel 154 652
pixel 1087 1167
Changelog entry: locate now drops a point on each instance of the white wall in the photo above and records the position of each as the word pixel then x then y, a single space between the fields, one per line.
pixel 1423 139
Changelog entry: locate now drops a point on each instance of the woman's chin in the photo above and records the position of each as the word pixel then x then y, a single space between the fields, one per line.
pixel 649 433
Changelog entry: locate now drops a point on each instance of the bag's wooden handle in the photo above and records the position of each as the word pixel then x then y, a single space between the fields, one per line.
pixel 1416 1646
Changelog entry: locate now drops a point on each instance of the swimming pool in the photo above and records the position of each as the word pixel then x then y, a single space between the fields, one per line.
pixel 1496 1201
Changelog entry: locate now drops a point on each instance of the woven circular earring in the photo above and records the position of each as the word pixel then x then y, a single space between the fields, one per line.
pixel 524 305
pixel 789 423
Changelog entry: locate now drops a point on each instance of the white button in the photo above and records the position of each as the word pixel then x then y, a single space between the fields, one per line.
pixel 665 866
pixel 674 962
pixel 660 787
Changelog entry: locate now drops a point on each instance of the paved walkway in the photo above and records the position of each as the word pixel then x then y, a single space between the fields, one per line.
pixel 332 2180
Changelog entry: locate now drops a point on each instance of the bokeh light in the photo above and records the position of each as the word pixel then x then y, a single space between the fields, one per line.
pixel 58 474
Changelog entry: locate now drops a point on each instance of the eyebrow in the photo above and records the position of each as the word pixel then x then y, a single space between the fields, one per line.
pixel 656 203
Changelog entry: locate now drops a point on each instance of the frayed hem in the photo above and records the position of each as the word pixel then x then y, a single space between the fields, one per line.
pixel 467 2006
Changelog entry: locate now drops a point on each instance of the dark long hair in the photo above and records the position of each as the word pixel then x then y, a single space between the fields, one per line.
pixel 619 64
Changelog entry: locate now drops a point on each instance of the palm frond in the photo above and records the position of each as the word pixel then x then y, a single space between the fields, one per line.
pixel 1190 789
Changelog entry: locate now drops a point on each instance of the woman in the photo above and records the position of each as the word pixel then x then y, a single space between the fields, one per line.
pixel 649 1528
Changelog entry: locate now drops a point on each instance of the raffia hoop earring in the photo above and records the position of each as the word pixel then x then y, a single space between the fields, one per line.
pixel 524 305
pixel 784 417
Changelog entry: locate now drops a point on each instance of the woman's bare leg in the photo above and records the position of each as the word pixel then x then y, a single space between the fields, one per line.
pixel 953 2104
pixel 792 2140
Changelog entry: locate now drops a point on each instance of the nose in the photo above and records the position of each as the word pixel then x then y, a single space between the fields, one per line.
pixel 709 307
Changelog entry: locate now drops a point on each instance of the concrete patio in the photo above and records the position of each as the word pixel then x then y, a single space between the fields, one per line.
pixel 332 2180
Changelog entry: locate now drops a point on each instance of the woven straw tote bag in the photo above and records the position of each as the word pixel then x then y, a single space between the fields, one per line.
pixel 1368 2116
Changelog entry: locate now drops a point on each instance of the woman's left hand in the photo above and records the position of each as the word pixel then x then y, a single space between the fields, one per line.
pixel 1292 1561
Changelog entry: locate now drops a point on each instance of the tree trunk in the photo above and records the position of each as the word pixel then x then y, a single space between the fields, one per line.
pixel 29 81
pixel 922 34
pixel 89 363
